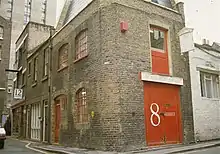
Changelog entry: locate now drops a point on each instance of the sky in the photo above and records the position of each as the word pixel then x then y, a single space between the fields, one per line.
pixel 202 15
pixel 60 4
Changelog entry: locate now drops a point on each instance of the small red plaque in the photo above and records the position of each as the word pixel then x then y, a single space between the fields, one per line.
pixel 169 114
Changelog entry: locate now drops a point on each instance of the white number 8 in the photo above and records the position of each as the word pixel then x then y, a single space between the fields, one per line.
pixel 154 114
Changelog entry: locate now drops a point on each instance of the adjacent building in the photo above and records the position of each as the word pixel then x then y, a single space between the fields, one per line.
pixel 28 79
pixel 20 12
pixel 204 63
pixel 111 78
pixel 5 38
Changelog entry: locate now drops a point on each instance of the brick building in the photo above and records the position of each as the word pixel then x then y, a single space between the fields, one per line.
pixel 5 89
pixel 116 77
pixel 28 79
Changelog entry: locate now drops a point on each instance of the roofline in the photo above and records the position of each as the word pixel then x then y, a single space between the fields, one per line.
pixel 208 47
pixel 9 21
pixel 161 6
pixel 56 33
pixel 26 26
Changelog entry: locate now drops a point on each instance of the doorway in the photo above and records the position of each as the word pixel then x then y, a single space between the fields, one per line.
pixel 57 120
pixel 162 113
pixel 45 123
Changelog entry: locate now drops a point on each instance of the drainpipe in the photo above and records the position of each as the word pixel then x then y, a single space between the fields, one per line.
pixel 50 85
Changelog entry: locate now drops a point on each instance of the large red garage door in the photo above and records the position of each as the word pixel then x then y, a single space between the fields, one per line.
pixel 162 113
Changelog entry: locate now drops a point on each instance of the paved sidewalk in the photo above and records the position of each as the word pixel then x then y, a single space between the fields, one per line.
pixel 152 150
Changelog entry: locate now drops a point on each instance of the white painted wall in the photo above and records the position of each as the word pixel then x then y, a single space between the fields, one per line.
pixel 206 111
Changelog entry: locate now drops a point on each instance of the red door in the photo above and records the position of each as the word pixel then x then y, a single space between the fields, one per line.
pixel 162 114
pixel 57 122
pixel 159 51
pixel 160 63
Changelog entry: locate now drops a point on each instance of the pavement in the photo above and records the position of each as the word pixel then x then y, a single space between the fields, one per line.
pixel 211 147
pixel 13 146
pixel 215 150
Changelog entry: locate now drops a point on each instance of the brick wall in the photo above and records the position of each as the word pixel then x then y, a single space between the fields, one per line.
pixel 37 92
pixel 4 62
pixel 110 73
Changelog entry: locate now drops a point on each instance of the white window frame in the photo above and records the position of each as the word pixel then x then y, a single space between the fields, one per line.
pixel 0 52
pixel 46 62
pixel 1 33
pixel 211 78
pixel 35 69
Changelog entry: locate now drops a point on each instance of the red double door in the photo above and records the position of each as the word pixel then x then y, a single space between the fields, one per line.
pixel 162 114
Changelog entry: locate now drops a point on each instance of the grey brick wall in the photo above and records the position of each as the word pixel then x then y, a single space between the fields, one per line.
pixel 4 62
pixel 37 92
pixel 33 47
pixel 110 74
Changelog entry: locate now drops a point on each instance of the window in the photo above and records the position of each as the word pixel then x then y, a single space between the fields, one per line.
pixel 29 68
pixel 166 3
pixel 63 56
pixel 9 11
pixel 27 11
pixel 1 32
pixel 23 79
pixel 81 45
pixel 81 106
pixel 0 52
pixel 43 15
pixel 157 38
pixel 209 85
pixel 35 70
pixel 159 51
pixel 16 57
pixel 46 62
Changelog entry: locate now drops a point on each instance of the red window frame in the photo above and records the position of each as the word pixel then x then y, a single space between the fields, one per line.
pixel 63 56
pixel 81 45
pixel 160 57
pixel 81 107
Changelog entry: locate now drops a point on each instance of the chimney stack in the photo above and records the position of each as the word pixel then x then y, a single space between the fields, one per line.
pixel 205 42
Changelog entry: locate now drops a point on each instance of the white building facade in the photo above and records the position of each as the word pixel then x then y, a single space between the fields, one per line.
pixel 204 63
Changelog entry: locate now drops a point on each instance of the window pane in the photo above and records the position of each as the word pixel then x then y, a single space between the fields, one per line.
pixel 216 86
pixel 1 32
pixel 63 56
pixel 157 39
pixel 82 113
pixel 208 88
pixel 81 45
pixel 202 85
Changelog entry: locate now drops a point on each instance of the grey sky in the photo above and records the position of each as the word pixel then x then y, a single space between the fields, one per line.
pixel 202 15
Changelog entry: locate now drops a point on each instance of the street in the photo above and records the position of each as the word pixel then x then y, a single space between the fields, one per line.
pixel 215 150
pixel 16 147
